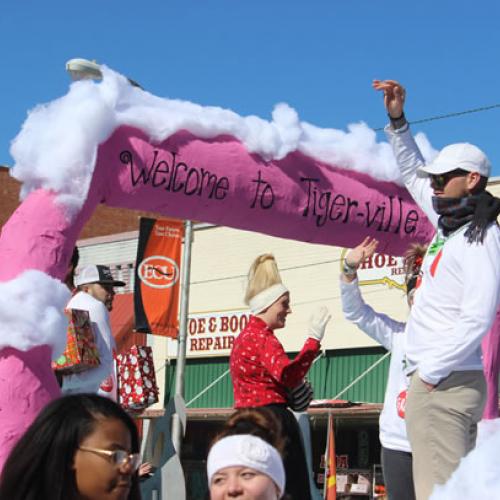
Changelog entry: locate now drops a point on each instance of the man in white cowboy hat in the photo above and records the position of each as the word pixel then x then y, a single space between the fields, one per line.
pixel 456 302
pixel 95 285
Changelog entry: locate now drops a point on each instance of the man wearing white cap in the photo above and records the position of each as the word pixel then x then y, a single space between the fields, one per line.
pixel 95 285
pixel 456 302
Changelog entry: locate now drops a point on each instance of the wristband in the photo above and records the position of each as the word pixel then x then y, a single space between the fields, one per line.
pixel 349 270
pixel 399 122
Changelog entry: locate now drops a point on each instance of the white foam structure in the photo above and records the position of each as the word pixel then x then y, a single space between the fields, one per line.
pixel 57 145
pixel 478 475
pixel 33 315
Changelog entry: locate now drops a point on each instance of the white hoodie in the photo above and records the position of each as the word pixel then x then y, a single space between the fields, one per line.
pixel 390 334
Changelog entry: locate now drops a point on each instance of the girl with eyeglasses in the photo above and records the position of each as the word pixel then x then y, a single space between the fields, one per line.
pixel 79 446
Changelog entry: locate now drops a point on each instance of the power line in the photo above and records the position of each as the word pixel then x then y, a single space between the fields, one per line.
pixel 241 276
pixel 449 115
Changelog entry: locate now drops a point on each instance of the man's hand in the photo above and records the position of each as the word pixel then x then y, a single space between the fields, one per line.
pixel 394 96
pixel 358 254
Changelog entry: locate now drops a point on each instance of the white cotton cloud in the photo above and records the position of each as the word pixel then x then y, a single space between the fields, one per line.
pixel 56 148
pixel 34 313
pixel 478 475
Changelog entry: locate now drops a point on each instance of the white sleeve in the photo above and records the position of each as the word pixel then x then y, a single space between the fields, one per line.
pixel 376 325
pixel 100 318
pixel 481 296
pixel 409 159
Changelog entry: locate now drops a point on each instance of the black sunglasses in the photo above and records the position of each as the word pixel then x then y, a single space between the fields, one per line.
pixel 439 181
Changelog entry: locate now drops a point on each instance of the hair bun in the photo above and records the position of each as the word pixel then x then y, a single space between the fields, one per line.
pixel 258 422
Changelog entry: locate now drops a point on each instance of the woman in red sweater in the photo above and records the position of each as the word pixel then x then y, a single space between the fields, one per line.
pixel 261 371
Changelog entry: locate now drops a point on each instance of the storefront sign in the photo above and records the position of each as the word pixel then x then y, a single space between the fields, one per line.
pixel 380 269
pixel 214 333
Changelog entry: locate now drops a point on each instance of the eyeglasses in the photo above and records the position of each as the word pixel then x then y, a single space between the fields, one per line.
pixel 119 458
pixel 439 181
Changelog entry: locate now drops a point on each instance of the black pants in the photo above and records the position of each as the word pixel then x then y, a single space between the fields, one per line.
pixel 398 475
pixel 294 459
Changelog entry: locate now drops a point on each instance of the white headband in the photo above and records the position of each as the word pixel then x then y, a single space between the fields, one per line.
pixel 265 298
pixel 247 451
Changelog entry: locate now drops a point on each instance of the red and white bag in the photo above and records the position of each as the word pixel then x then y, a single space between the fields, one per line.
pixel 81 351
pixel 137 387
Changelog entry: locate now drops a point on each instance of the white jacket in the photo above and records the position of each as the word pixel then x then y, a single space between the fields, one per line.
pixel 456 304
pixel 89 381
pixel 390 334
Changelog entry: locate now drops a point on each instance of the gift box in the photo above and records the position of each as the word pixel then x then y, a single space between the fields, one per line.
pixel 137 387
pixel 81 351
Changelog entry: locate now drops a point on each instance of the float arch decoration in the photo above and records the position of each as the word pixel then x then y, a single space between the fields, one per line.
pixel 115 144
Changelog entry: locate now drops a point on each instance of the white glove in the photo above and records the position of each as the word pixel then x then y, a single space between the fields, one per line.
pixel 318 322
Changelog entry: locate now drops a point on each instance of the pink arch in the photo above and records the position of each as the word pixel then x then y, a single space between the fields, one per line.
pixel 213 180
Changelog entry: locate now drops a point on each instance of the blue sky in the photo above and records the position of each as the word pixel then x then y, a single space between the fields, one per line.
pixel 318 56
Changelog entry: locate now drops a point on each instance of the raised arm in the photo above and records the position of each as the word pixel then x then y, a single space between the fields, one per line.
pixel 394 97
pixel 407 154
pixel 377 326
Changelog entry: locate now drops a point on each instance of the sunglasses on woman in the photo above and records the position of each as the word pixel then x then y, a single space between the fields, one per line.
pixel 117 457
pixel 439 181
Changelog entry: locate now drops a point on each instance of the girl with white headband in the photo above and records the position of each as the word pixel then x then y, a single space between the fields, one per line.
pixel 245 460
pixel 245 466
pixel 262 372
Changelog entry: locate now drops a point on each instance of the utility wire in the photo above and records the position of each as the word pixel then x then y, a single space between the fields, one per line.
pixel 240 276
pixel 449 115
pixel 358 378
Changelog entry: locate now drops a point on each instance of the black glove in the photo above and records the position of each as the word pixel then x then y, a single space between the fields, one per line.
pixel 300 397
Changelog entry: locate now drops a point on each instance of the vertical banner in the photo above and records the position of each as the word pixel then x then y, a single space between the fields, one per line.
pixel 331 466
pixel 157 273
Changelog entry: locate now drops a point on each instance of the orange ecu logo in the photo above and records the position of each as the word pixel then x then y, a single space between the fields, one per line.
pixel 158 271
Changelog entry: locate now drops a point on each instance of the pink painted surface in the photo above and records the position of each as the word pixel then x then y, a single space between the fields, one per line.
pixel 26 386
pixel 491 361
pixel 217 180
pixel 39 235
pixel 211 180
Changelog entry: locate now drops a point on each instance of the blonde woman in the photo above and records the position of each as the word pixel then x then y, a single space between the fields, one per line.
pixel 261 371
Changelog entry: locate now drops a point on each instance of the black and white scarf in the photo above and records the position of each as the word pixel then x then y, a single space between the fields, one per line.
pixel 479 210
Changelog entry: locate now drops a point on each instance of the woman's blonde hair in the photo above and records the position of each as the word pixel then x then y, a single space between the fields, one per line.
pixel 263 274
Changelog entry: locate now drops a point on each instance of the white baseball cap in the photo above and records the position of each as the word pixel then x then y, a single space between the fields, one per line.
pixel 96 274
pixel 462 156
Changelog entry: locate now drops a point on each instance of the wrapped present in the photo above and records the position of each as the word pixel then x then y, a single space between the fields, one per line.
pixel 137 387
pixel 81 351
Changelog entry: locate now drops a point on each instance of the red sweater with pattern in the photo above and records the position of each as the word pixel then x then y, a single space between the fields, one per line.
pixel 260 368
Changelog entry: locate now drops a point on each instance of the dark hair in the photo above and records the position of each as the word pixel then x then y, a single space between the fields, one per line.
pixel 480 186
pixel 259 422
pixel 70 274
pixel 75 258
pixel 40 466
